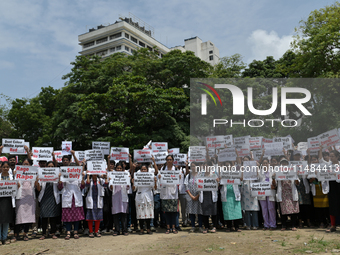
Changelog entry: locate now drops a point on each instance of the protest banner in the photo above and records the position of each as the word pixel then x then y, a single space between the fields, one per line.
pixel 80 155
pixel 26 173
pixel 219 141
pixel 157 147
pixel 25 152
pixel 119 178
pixel 301 167
pixel 266 140
pixel 285 173
pixel 259 189
pixel 324 172
pixel 104 146
pixel 250 170
pixel 287 142
pixel 302 146
pixel 255 143
pixel 329 138
pixel 228 154
pixel 243 140
pixel 160 156
pixel 144 179
pixel 58 156
pixel 197 153
pixel 48 174
pixel 66 147
pixel 13 146
pixel 120 153
pixel 207 184
pixel 180 159
pixel 71 173
pixel 42 153
pixel 230 175
pixel 8 188
pixel 243 150
pixel 174 151
pixel 96 167
pixel 94 155
pixel 313 145
pixel 142 155
pixel 169 177
pixel 273 149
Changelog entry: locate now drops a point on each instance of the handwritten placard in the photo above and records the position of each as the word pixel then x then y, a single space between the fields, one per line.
pixel 142 155
pixel 96 167
pixel 104 146
pixel 207 184
pixel 26 173
pixel 119 178
pixel 66 147
pixel 169 177
pixel 180 159
pixel 71 173
pixel 120 154
pixel 48 174
pixel 259 189
pixel 8 188
pixel 94 155
pixel 13 146
pixel 42 153
pixel 161 146
pixel 144 179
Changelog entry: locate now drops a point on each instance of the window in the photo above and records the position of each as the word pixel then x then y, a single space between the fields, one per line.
pixel 210 52
pixel 133 39
pixel 149 48
pixel 113 49
pixel 101 53
pixel 211 57
pixel 127 48
pixel 141 44
pixel 115 36
pixel 88 44
pixel 101 40
pixel 127 36
pixel 133 51
pixel 119 47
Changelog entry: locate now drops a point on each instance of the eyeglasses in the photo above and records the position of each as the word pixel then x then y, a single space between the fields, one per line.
pixel 169 159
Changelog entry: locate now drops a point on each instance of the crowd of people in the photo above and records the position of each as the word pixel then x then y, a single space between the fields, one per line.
pixel 93 206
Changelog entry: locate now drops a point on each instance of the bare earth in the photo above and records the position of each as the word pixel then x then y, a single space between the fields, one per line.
pixel 303 241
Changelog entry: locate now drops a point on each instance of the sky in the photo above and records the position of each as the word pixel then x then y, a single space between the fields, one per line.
pixel 39 38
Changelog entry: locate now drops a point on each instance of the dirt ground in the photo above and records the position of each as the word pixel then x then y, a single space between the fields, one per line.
pixel 306 240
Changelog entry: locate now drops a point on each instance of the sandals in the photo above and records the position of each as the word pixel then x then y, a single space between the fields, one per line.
pixel 13 240
pixel 238 230
pixel 115 233
pixel 68 236
pixel 149 232
pixel 167 231
pixel 42 237
pixel 175 231
pixel 91 235
pixel 332 229
pixel 294 229
pixel 25 238
pixel 283 229
pixel 54 237
pixel 76 236
pixel 98 235
pixel 212 230
pixel 205 231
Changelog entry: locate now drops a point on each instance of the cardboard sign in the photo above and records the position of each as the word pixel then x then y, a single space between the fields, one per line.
pixel 160 157
pixel 329 138
pixel 66 147
pixel 96 168
pixel 250 170
pixel 169 177
pixel 232 176
pixel 104 146
pixel 26 173
pixel 25 152
pixel 180 159
pixel 207 184
pixel 313 144
pixel 243 150
pixel 255 143
pixel 324 172
pixel 48 174
pixel 259 189
pixel 287 142
pixel 119 178
pixel 301 167
pixel 80 155
pixel 273 149
pixel 13 146
pixel 42 153
pixel 266 140
pixel 120 154
pixel 286 173
pixel 302 146
pixel 71 173
pixel 8 188
pixel 239 141
pixel 58 156
pixel 197 153
pixel 174 151
pixel 228 154
pixel 144 179
pixel 219 142
pixel 94 155
pixel 142 155
pixel 157 147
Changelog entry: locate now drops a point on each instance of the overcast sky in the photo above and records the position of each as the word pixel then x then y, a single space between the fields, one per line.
pixel 39 39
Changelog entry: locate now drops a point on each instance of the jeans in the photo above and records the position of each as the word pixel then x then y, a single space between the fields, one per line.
pixel 251 219
pixel 193 218
pixel 171 218
pixel 157 210
pixel 69 225
pixel 4 231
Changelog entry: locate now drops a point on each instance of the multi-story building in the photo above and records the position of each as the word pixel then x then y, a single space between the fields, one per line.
pixel 128 35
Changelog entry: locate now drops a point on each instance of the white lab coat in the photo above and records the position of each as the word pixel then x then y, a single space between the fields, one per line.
pixel 71 189
pixel 101 193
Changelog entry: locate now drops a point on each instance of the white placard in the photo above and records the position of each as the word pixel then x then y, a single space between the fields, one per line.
pixel 259 189
pixel 25 152
pixel 273 149
pixel 71 173
pixel 250 170
pixel 313 144
pixel 80 155
pixel 231 176
pixel 243 150
pixel 156 147
pixel 13 146
pixel 174 151
pixel 42 153
pixel 180 159
pixel 287 142
pixel 207 184
pixel 48 174
pixel 142 155
pixel 144 179
pixel 169 177
pixel 302 146
pixel 120 154
pixel 329 138
pixel 266 140
pixel 255 143
pixel 160 157
pixel 219 141
pixel 301 167
pixel 94 155
pixel 324 172
pixel 58 156
pixel 285 173
pixel 243 140
pixel 197 153
pixel 119 178
pixel 228 154
pixel 8 188
pixel 104 146
pixel 26 173
pixel 66 147
pixel 96 167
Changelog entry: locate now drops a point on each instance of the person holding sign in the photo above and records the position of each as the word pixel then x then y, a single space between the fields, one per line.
pixel 169 197
pixel 72 199
pixel 50 208
pixel 288 197
pixel 94 203
pixel 7 204
pixel 144 201
pixel 120 205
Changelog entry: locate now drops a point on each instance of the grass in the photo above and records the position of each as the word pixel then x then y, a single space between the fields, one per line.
pixel 319 245
pixel 297 237
pixel 213 247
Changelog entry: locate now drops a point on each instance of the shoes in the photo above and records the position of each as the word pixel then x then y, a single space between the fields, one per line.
pixel 57 233
pixel 192 230
pixel 129 230
pixel 153 229
pixel 247 228
pixel 255 228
